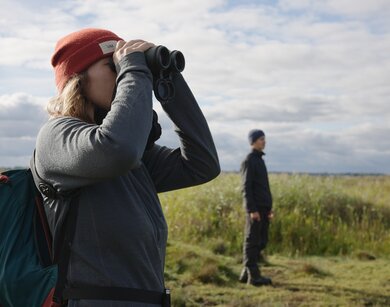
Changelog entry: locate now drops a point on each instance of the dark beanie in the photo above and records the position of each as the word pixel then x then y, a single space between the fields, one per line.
pixel 254 135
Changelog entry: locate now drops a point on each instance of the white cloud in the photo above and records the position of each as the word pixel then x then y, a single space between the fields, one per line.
pixel 21 116
pixel 313 74
pixel 351 8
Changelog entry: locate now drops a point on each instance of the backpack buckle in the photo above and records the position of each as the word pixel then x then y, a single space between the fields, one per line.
pixel 47 190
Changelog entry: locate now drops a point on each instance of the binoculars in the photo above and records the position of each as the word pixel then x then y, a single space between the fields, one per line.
pixel 163 64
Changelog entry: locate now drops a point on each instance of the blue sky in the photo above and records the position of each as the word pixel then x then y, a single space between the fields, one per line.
pixel 314 75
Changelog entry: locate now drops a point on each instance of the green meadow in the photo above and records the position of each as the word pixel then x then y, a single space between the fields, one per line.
pixel 329 243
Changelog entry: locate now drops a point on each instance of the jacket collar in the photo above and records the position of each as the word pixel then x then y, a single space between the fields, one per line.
pixel 258 153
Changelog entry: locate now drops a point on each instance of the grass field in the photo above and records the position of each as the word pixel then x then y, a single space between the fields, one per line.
pixel 199 277
pixel 329 243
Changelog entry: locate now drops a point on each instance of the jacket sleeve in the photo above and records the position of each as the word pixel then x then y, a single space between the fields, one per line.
pixel 196 160
pixel 75 153
pixel 247 173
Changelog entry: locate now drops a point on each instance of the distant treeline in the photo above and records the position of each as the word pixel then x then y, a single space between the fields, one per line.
pixel 319 174
pixel 3 169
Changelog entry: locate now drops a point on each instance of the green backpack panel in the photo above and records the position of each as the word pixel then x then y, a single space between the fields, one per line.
pixel 26 273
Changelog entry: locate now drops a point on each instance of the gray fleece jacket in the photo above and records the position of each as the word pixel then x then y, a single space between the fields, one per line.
pixel 121 232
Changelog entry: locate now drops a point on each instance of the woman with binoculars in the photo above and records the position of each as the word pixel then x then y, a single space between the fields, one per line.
pixel 99 147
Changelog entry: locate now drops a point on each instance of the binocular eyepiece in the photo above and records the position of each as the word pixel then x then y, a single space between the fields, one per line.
pixel 163 63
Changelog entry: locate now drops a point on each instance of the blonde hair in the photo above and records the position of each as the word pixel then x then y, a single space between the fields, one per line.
pixel 71 101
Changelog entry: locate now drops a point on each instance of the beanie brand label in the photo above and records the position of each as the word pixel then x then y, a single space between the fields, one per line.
pixel 108 46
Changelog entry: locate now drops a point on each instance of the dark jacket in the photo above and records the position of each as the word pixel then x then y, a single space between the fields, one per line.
pixel 255 184
pixel 121 231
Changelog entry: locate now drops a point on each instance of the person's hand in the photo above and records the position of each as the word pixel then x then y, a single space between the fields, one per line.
pixel 270 215
pixel 255 216
pixel 123 48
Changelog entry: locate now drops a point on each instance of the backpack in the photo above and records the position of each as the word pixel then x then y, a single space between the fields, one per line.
pixel 27 274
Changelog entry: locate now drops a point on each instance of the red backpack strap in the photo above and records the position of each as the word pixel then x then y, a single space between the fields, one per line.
pixel 62 254
pixel 49 301
pixel 3 179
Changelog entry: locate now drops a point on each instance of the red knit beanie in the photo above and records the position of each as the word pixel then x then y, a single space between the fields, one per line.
pixel 75 52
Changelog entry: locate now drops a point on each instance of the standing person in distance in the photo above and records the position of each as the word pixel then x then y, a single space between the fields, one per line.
pixel 100 141
pixel 258 205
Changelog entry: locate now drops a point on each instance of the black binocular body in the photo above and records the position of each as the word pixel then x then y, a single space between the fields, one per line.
pixel 163 64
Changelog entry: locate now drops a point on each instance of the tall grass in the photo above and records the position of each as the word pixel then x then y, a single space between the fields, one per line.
pixel 314 215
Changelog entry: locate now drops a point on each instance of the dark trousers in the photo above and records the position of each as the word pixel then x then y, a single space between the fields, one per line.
pixel 256 238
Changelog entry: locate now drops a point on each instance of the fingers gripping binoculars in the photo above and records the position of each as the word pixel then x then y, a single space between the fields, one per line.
pixel 163 64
